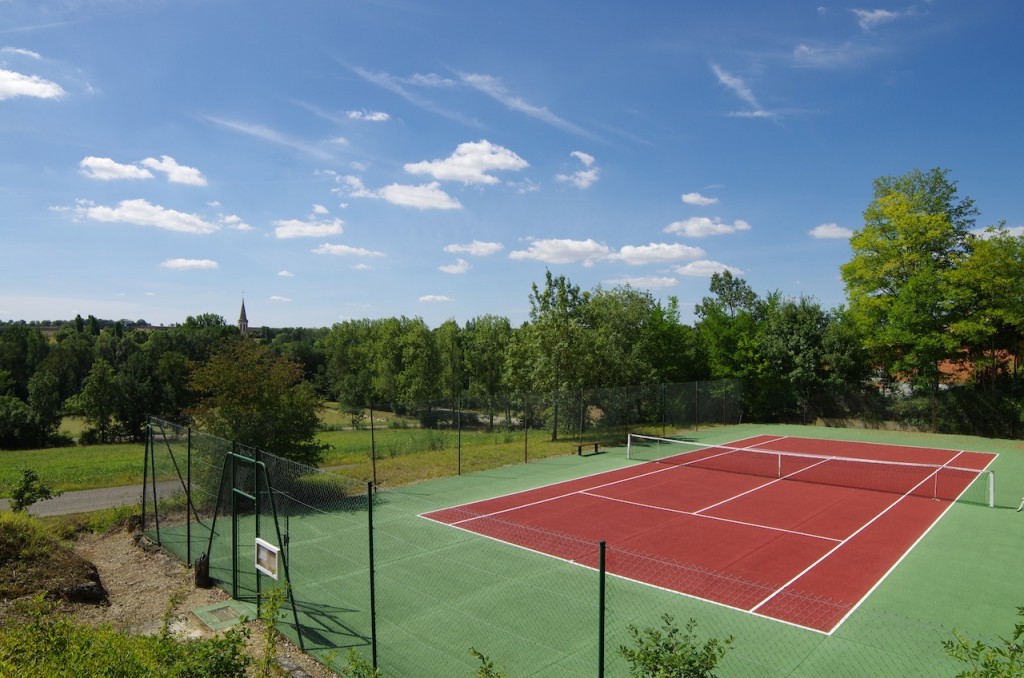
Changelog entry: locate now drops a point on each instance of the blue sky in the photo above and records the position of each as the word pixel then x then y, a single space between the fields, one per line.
pixel 334 160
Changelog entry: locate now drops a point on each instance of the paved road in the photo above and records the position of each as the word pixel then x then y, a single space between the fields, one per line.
pixel 83 501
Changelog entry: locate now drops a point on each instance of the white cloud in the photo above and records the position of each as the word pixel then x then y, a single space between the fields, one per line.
pixel 834 231
pixel 277 298
pixel 14 84
pixel 656 253
pixel 362 267
pixel 700 227
pixel 142 213
pixel 320 209
pixel 189 264
pixel 559 251
pixel 176 174
pixel 705 269
pixel 346 251
pixel 294 228
pixel 435 298
pixel 460 266
pixel 107 169
pixel 868 19
pixel 285 274
pixel 583 178
pixel 649 283
pixel 698 199
pixel 235 222
pixel 370 116
pixel 477 248
pixel 423 196
pixel 470 163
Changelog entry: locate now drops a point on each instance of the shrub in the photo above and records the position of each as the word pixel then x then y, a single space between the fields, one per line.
pixel 667 653
pixel 987 660
pixel 29 490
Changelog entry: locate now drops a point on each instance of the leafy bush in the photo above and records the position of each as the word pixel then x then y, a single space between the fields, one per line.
pixel 35 640
pixel 667 653
pixel 986 660
pixel 29 490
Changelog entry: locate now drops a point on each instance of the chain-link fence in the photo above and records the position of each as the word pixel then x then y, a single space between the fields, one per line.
pixel 369 571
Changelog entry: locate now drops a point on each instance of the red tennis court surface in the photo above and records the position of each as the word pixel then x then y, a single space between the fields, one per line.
pixel 804 547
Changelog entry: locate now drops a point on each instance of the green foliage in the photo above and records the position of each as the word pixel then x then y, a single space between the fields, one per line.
pixel 986 660
pixel 30 490
pixel 257 399
pixel 270 607
pixel 357 667
pixel 486 669
pixel 669 653
pixel 38 641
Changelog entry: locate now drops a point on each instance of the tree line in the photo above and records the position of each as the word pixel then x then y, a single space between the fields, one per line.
pixel 935 312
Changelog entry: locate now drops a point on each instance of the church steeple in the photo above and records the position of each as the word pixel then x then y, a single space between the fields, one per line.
pixel 243 322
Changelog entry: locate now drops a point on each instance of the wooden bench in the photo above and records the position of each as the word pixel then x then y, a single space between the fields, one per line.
pixel 581 446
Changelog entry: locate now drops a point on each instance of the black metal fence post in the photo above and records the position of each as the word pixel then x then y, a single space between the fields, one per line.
pixel 600 612
pixel 373 587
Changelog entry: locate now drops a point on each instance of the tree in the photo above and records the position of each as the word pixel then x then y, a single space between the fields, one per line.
pixel 452 360
pixel 29 490
pixel 725 322
pixel 97 402
pixel 252 397
pixel 551 351
pixel 989 660
pixel 487 339
pixel 899 281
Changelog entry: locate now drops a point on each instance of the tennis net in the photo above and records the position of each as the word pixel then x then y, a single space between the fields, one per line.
pixel 950 483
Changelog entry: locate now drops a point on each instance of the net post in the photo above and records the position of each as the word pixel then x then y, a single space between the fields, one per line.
pixel 629 446
pixel 600 610
pixel 991 489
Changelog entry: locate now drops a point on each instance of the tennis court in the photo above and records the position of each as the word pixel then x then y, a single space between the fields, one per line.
pixel 794 529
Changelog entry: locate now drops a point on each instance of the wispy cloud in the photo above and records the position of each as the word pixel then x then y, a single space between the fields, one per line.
pixel 400 86
pixel 470 163
pixel 285 274
pixel 701 227
pixel 435 299
pixel 494 88
pixel 267 134
pixel 739 88
pixel 189 264
pixel 423 196
pixel 279 299
pixel 869 19
pixel 21 52
pixel 476 248
pixel 14 84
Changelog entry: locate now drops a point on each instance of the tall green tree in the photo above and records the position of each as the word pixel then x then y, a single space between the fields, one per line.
pixel 551 352
pixel 487 339
pixel 248 395
pixel 900 279
pixel 725 322
pixel 451 355
pixel 97 403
